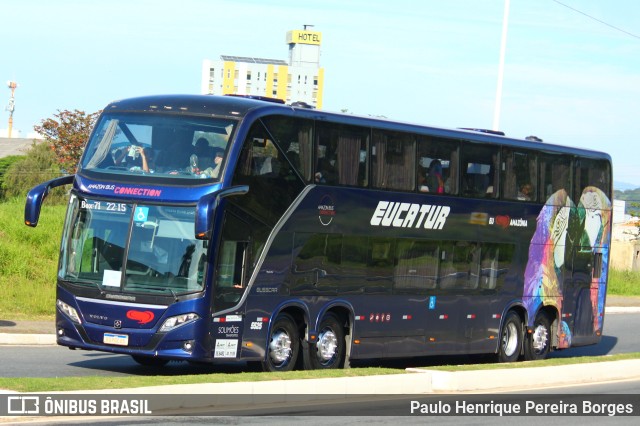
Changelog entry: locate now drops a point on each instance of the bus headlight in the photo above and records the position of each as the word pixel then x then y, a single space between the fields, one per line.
pixel 69 311
pixel 177 321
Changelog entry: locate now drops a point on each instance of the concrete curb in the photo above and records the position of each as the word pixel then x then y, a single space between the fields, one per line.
pixel 27 339
pixel 518 378
pixel 414 382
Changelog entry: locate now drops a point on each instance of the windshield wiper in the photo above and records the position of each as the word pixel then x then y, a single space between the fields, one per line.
pixel 97 285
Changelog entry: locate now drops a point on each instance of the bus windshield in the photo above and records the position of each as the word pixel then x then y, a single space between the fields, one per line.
pixel 132 248
pixel 160 145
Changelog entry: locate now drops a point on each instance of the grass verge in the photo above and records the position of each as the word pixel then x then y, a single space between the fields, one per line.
pixel 62 384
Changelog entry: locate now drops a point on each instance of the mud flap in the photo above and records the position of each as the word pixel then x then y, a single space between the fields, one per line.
pixel 305 349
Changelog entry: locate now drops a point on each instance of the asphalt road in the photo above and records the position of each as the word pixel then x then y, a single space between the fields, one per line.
pixel 620 336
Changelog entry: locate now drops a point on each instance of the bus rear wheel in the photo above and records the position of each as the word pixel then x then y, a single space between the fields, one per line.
pixel 329 351
pixel 283 345
pixel 510 338
pixel 537 343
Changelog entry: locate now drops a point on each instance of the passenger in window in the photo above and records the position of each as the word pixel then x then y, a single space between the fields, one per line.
pixel 422 180
pixel 434 178
pixel 203 153
pixel 526 192
pixel 135 158
pixel 214 170
pixel 325 172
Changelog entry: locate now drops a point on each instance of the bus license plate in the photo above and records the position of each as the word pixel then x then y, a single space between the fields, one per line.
pixel 116 339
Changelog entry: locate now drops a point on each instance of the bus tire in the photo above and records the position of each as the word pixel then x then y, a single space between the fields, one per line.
pixel 537 344
pixel 283 345
pixel 329 350
pixel 149 361
pixel 510 338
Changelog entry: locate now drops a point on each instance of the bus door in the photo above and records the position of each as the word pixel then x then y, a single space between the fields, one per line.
pixel 581 294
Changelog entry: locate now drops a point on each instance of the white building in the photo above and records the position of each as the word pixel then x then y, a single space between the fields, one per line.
pixel 301 79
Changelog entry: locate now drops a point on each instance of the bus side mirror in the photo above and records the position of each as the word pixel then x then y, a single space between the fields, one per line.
pixel 207 206
pixel 36 197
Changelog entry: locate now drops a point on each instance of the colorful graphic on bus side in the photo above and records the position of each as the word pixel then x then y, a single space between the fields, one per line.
pixel 562 228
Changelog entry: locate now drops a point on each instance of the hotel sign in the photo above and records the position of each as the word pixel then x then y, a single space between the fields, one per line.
pixel 304 37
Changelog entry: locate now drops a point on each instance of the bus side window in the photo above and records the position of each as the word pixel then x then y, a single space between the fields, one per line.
pixel 479 165
pixel 519 175
pixel 591 173
pixel 554 174
pixel 416 266
pixel 294 137
pixel 437 165
pixel 341 155
pixel 393 164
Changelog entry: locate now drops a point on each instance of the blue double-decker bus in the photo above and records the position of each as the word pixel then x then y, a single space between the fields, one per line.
pixel 217 229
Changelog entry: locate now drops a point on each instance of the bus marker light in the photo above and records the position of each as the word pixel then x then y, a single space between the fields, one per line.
pixel 492 337
pixel 471 316
pixel 407 317
pixel 357 342
pixel 445 316
pixel 432 339
pixel 248 344
pixel 495 316
pixel 359 317
pixel 219 319
pixel 566 315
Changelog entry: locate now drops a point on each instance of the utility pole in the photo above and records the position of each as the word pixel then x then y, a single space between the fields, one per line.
pixel 503 48
pixel 12 105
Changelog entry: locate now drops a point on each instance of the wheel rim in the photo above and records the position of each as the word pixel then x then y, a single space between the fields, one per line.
pixel 327 345
pixel 510 339
pixel 280 347
pixel 539 338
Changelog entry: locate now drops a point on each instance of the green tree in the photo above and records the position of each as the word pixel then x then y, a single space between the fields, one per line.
pixel 67 133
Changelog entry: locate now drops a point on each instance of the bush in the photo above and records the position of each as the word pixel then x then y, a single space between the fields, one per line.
pixel 25 172
pixel 5 163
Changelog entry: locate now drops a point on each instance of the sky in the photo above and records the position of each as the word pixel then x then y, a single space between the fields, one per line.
pixel 571 67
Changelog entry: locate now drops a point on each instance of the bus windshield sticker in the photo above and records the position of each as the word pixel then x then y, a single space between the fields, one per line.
pixel 141 214
pixel 409 215
pixel 111 278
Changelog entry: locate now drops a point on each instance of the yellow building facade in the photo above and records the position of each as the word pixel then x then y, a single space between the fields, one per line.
pixel 300 79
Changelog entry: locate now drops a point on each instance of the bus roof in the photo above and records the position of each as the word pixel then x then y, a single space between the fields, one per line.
pixel 239 107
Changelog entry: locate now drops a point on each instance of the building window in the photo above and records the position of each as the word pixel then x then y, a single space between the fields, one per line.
pixel 248 75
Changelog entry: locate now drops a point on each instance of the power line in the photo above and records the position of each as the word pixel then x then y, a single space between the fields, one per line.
pixel 597 20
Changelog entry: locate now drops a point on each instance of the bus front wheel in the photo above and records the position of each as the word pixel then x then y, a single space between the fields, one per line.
pixel 283 345
pixel 537 343
pixel 329 351
pixel 510 338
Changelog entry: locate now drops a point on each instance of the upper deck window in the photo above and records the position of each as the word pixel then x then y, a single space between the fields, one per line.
pixel 162 145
